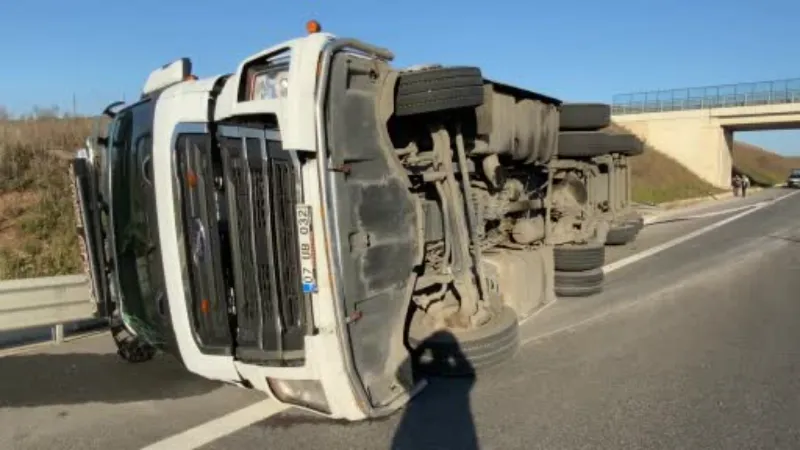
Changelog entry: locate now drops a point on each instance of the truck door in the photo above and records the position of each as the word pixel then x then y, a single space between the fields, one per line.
pixel 135 228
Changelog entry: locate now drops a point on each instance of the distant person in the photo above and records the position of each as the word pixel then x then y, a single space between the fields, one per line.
pixel 745 185
pixel 736 182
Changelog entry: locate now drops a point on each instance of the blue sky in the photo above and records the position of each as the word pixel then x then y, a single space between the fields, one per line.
pixel 99 51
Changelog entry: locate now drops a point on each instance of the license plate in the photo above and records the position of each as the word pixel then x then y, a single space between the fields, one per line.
pixel 305 237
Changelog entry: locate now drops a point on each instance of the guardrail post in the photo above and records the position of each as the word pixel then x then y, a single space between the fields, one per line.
pixel 58 333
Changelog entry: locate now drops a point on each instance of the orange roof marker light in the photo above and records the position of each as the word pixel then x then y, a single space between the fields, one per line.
pixel 312 26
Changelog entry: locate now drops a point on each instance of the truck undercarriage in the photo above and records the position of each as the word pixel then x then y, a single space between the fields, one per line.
pixel 452 207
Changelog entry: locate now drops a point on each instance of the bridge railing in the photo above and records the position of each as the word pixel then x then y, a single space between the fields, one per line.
pixel 709 97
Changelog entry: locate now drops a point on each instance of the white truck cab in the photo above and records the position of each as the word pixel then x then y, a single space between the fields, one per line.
pixel 325 228
pixel 263 118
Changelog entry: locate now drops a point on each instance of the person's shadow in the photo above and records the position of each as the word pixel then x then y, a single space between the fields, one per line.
pixel 439 417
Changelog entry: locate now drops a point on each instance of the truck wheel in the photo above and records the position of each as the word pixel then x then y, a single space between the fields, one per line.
pixel 576 258
pixel 588 144
pixel 579 284
pixel 455 352
pixel 584 116
pixel 622 234
pixel 438 89
pixel 548 145
pixel 582 144
pixel 626 144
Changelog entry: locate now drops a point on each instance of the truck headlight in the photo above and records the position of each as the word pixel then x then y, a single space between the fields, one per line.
pixel 270 85
pixel 305 393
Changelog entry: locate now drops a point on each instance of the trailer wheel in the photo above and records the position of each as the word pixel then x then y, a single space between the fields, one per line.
pixel 579 284
pixel 438 89
pixel 584 116
pixel 582 144
pixel 576 258
pixel 588 144
pixel 626 144
pixel 549 134
pixel 622 234
pixel 454 352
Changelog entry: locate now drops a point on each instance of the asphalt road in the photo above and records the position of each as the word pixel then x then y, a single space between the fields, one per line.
pixel 697 346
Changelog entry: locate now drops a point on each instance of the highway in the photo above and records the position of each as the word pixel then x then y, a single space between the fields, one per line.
pixel 695 343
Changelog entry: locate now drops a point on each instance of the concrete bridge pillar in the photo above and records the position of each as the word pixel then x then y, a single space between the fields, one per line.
pixel 695 139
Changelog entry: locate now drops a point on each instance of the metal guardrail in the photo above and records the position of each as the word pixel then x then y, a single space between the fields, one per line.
pixel 709 97
pixel 38 302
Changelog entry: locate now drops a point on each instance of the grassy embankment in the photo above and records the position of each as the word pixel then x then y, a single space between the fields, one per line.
pixel 37 223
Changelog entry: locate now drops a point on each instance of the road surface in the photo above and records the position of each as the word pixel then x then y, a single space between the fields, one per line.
pixel 696 345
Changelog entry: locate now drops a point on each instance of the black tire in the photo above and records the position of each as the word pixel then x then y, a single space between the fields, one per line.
pixel 626 144
pixel 584 116
pixel 623 234
pixel 576 258
pixel 582 144
pixel 438 89
pixel 453 352
pixel 579 284
pixel 588 144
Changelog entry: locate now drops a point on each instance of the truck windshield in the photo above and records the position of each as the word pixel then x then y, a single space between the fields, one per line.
pixel 795 173
pixel 134 227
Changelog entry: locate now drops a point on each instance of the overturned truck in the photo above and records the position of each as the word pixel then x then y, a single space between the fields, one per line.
pixel 326 228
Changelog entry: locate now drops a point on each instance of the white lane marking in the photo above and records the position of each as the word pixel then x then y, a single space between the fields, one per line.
pixel 681 239
pixel 537 312
pixel 677 217
pixel 671 214
pixel 220 427
pixel 644 254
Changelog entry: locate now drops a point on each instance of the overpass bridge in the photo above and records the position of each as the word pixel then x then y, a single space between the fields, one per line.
pixel 695 126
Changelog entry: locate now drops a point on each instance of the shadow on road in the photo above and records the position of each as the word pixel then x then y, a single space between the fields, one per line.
pixel 440 417
pixel 28 380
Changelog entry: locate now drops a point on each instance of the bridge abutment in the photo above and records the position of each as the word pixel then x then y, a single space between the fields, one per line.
pixel 695 139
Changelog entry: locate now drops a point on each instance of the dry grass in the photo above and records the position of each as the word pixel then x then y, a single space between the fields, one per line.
pixel 37 223
pixel 657 178
pixel 762 166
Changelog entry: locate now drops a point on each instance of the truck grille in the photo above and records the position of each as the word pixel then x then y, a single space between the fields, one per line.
pixel 207 299
pixel 270 304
